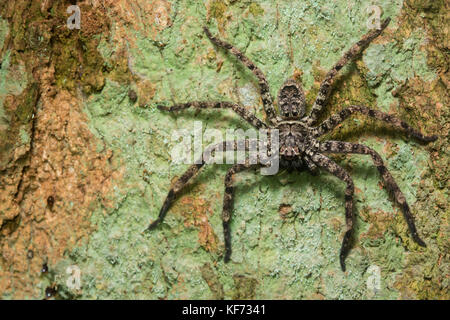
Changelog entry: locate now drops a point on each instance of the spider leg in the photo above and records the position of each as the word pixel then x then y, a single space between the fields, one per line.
pixel 247 116
pixel 333 168
pixel 191 172
pixel 325 86
pixel 338 118
pixel 310 164
pixel 263 84
pixel 173 192
pixel 228 204
pixel 389 182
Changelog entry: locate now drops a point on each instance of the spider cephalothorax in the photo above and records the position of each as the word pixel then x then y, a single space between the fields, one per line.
pixel 300 143
pixel 291 100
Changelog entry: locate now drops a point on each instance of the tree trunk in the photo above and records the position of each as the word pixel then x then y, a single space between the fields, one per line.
pixel 86 157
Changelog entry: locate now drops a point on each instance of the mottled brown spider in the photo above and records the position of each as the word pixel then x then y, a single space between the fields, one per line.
pixel 299 144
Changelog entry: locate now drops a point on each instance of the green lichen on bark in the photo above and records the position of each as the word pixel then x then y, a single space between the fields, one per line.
pixel 279 252
pixel 272 257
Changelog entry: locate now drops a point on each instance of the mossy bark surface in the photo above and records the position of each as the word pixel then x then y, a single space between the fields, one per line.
pixel 85 161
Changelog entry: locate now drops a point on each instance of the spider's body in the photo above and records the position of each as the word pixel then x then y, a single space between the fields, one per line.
pixel 300 144
pixel 295 140
pixel 294 133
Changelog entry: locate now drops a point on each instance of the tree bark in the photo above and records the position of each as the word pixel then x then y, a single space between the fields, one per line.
pixel 85 155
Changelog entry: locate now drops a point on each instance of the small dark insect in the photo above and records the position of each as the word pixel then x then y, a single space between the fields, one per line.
pixel 50 292
pixel 44 268
pixel 50 202
pixel 132 95
pixel 30 254
pixel 300 146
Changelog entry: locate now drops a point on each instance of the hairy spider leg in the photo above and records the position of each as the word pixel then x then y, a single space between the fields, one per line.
pixel 310 164
pixel 325 86
pixel 338 118
pixel 241 111
pixel 192 171
pixel 333 168
pixel 389 182
pixel 263 84
pixel 228 204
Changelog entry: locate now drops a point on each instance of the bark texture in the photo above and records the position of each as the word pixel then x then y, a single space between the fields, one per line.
pixel 85 158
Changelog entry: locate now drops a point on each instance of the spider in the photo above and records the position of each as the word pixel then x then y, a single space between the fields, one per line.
pixel 299 144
